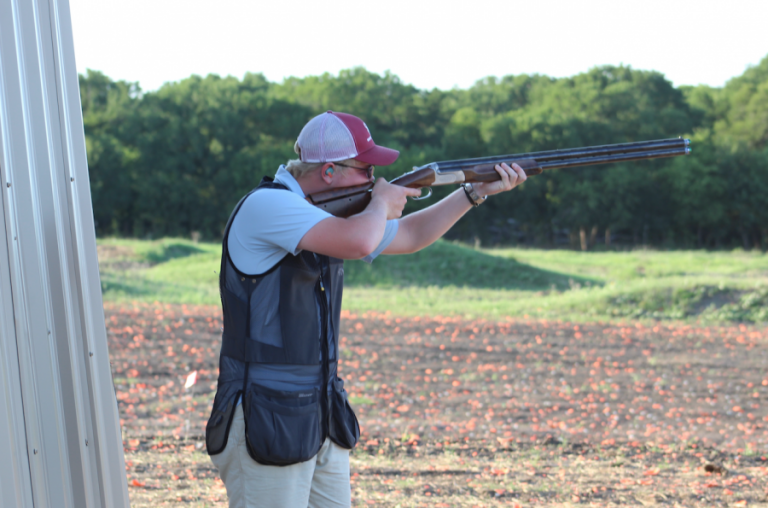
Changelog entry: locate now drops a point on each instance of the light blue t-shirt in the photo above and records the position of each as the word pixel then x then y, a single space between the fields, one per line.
pixel 272 222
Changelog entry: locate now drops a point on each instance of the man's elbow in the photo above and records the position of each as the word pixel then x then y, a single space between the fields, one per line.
pixel 363 247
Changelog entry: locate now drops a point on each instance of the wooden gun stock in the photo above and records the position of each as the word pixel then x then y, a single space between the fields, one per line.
pixel 487 173
pixel 416 179
pixel 343 202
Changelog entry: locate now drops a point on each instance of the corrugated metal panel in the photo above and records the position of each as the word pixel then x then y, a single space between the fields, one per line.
pixel 15 483
pixel 60 422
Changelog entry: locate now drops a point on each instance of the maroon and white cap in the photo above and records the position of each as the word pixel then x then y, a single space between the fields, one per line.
pixel 332 137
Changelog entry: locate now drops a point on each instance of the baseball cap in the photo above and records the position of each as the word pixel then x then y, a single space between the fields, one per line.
pixel 331 137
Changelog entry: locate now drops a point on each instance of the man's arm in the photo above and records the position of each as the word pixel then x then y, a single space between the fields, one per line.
pixel 423 228
pixel 352 238
pixel 359 235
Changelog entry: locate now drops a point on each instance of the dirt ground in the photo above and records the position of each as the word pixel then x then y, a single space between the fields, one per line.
pixel 475 413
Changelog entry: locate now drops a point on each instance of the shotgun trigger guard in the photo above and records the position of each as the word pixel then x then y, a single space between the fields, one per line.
pixel 419 198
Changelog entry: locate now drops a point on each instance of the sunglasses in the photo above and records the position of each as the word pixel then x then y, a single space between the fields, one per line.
pixel 368 170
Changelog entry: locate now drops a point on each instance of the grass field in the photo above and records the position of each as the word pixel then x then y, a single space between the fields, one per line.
pixel 452 279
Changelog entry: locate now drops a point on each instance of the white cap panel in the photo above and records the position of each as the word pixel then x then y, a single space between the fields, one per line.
pixel 326 139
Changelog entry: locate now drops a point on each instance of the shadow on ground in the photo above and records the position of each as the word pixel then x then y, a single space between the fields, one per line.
pixel 117 288
pixel 172 250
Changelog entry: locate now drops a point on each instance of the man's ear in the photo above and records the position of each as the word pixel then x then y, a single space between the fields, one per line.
pixel 326 172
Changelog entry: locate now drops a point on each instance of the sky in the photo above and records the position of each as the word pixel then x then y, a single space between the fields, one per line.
pixel 429 44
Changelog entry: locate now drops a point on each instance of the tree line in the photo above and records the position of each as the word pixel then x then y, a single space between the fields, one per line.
pixel 176 160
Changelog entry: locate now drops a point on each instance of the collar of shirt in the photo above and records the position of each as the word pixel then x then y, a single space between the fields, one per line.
pixel 284 177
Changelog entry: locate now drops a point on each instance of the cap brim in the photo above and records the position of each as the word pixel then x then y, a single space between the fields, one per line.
pixel 378 156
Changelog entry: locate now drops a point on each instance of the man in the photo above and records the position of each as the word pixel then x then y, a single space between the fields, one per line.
pixel 281 427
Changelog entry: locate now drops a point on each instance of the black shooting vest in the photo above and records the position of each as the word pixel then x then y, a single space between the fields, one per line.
pixel 279 353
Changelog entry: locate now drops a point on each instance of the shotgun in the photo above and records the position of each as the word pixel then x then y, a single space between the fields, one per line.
pixel 347 201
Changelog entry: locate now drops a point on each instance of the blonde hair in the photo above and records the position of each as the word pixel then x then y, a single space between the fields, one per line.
pixel 297 168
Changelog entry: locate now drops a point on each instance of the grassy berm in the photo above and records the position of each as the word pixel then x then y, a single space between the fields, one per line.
pixel 449 279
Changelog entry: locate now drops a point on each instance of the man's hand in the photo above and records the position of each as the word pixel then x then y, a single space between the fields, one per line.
pixel 392 197
pixel 510 178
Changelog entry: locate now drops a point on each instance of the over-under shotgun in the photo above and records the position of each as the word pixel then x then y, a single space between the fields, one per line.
pixel 347 201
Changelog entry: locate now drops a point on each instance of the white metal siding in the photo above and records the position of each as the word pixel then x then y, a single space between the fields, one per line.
pixel 59 422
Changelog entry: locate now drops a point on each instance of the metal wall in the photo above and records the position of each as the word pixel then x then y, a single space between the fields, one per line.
pixel 60 441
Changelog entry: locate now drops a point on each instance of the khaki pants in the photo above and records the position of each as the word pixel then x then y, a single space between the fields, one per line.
pixel 322 481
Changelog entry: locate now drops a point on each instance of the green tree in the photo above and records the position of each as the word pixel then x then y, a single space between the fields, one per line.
pixel 177 160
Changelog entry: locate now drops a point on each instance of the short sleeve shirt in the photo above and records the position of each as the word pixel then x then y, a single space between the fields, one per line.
pixel 272 222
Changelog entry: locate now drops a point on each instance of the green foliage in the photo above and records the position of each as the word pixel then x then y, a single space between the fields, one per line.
pixel 745 116
pixel 674 303
pixel 707 303
pixel 751 306
pixel 175 161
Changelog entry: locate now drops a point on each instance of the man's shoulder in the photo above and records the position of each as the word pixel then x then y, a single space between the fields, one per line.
pixel 271 221
pixel 271 183
pixel 281 208
pixel 267 198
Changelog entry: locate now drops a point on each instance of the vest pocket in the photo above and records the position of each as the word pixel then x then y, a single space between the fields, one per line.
pixel 344 429
pixel 282 428
pixel 217 429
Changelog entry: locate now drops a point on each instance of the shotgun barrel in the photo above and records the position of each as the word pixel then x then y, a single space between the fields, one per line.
pixel 612 157
pixel 573 153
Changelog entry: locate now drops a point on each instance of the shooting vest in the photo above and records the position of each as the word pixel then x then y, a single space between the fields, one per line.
pixel 279 355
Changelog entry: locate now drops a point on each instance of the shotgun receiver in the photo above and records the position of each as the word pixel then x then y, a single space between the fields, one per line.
pixel 347 201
